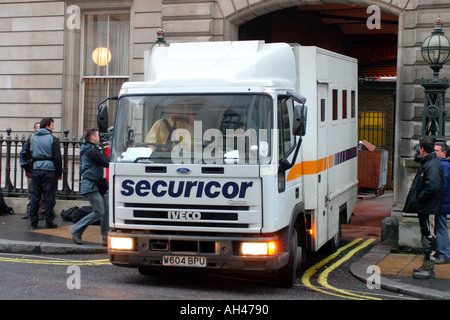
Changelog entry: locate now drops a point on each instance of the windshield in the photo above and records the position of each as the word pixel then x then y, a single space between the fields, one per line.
pixel 220 129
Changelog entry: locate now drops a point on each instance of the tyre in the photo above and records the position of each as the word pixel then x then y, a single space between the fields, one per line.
pixel 286 275
pixel 334 243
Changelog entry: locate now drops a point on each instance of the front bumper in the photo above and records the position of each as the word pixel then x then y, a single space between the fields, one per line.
pixel 221 252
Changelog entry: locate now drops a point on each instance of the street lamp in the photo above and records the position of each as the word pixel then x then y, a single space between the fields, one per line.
pixel 436 52
pixel 436 48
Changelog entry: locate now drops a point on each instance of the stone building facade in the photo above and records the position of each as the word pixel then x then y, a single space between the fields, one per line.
pixel 42 56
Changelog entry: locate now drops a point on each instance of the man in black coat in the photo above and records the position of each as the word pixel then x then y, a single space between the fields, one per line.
pixel 425 198
pixel 47 169
pixel 26 161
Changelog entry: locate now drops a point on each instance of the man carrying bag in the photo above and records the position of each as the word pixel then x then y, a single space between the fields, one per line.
pixel 92 162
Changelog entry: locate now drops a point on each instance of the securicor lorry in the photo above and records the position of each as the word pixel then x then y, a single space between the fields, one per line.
pixel 244 177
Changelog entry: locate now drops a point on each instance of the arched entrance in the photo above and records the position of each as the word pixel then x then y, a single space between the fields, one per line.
pixel 234 12
pixel 370 36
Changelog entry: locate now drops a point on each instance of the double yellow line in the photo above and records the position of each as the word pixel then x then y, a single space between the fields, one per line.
pixel 322 279
pixel 57 262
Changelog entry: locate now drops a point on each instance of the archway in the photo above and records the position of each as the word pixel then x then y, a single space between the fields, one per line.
pixel 346 29
pixel 350 30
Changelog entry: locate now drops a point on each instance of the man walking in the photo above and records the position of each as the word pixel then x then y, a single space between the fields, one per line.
pixel 92 162
pixel 442 239
pixel 47 169
pixel 425 198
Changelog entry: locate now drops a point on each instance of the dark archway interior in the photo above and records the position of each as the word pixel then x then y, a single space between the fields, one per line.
pixel 336 27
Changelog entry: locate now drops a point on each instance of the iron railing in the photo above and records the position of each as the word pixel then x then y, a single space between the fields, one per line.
pixel 12 176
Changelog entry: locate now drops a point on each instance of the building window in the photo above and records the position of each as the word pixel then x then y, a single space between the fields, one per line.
pixel 105 60
pixel 372 128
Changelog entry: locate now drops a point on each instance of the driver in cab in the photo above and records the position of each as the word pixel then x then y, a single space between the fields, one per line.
pixel 161 132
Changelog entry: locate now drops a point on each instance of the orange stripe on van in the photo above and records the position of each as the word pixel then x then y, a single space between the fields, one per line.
pixel 309 167
pixel 317 166
pixel 330 161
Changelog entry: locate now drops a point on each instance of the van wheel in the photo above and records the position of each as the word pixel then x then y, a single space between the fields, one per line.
pixel 334 243
pixel 286 275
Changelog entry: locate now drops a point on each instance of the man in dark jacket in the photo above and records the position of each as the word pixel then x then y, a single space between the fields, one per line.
pixel 26 161
pixel 425 198
pixel 47 169
pixel 92 162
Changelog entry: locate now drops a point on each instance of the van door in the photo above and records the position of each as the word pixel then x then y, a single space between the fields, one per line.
pixel 323 120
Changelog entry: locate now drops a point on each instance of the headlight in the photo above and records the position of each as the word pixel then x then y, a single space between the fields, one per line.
pixel 258 248
pixel 121 243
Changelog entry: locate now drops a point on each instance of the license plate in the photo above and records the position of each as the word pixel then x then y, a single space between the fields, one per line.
pixel 184 261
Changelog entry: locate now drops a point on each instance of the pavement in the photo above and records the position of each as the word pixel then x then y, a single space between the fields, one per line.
pixel 16 236
pixel 395 265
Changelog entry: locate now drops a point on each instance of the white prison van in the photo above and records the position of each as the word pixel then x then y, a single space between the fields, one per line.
pixel 213 164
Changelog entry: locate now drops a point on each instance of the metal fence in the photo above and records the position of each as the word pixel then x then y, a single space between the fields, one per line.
pixel 12 176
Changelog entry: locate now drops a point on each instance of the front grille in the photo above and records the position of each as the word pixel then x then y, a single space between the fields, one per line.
pixel 187 215
pixel 233 216
pixel 186 224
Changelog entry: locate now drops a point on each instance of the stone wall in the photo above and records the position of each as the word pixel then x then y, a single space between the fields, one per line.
pixel 416 25
pixel 31 63
pixel 146 19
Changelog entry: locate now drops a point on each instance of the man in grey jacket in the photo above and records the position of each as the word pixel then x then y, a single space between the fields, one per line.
pixel 26 160
pixel 92 162
pixel 47 169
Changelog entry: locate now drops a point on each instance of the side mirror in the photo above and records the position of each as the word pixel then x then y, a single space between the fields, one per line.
pixel 102 118
pixel 102 115
pixel 300 117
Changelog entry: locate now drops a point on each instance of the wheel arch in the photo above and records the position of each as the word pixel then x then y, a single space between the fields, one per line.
pixel 297 222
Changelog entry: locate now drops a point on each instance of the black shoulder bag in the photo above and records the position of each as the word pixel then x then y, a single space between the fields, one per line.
pixel 102 186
